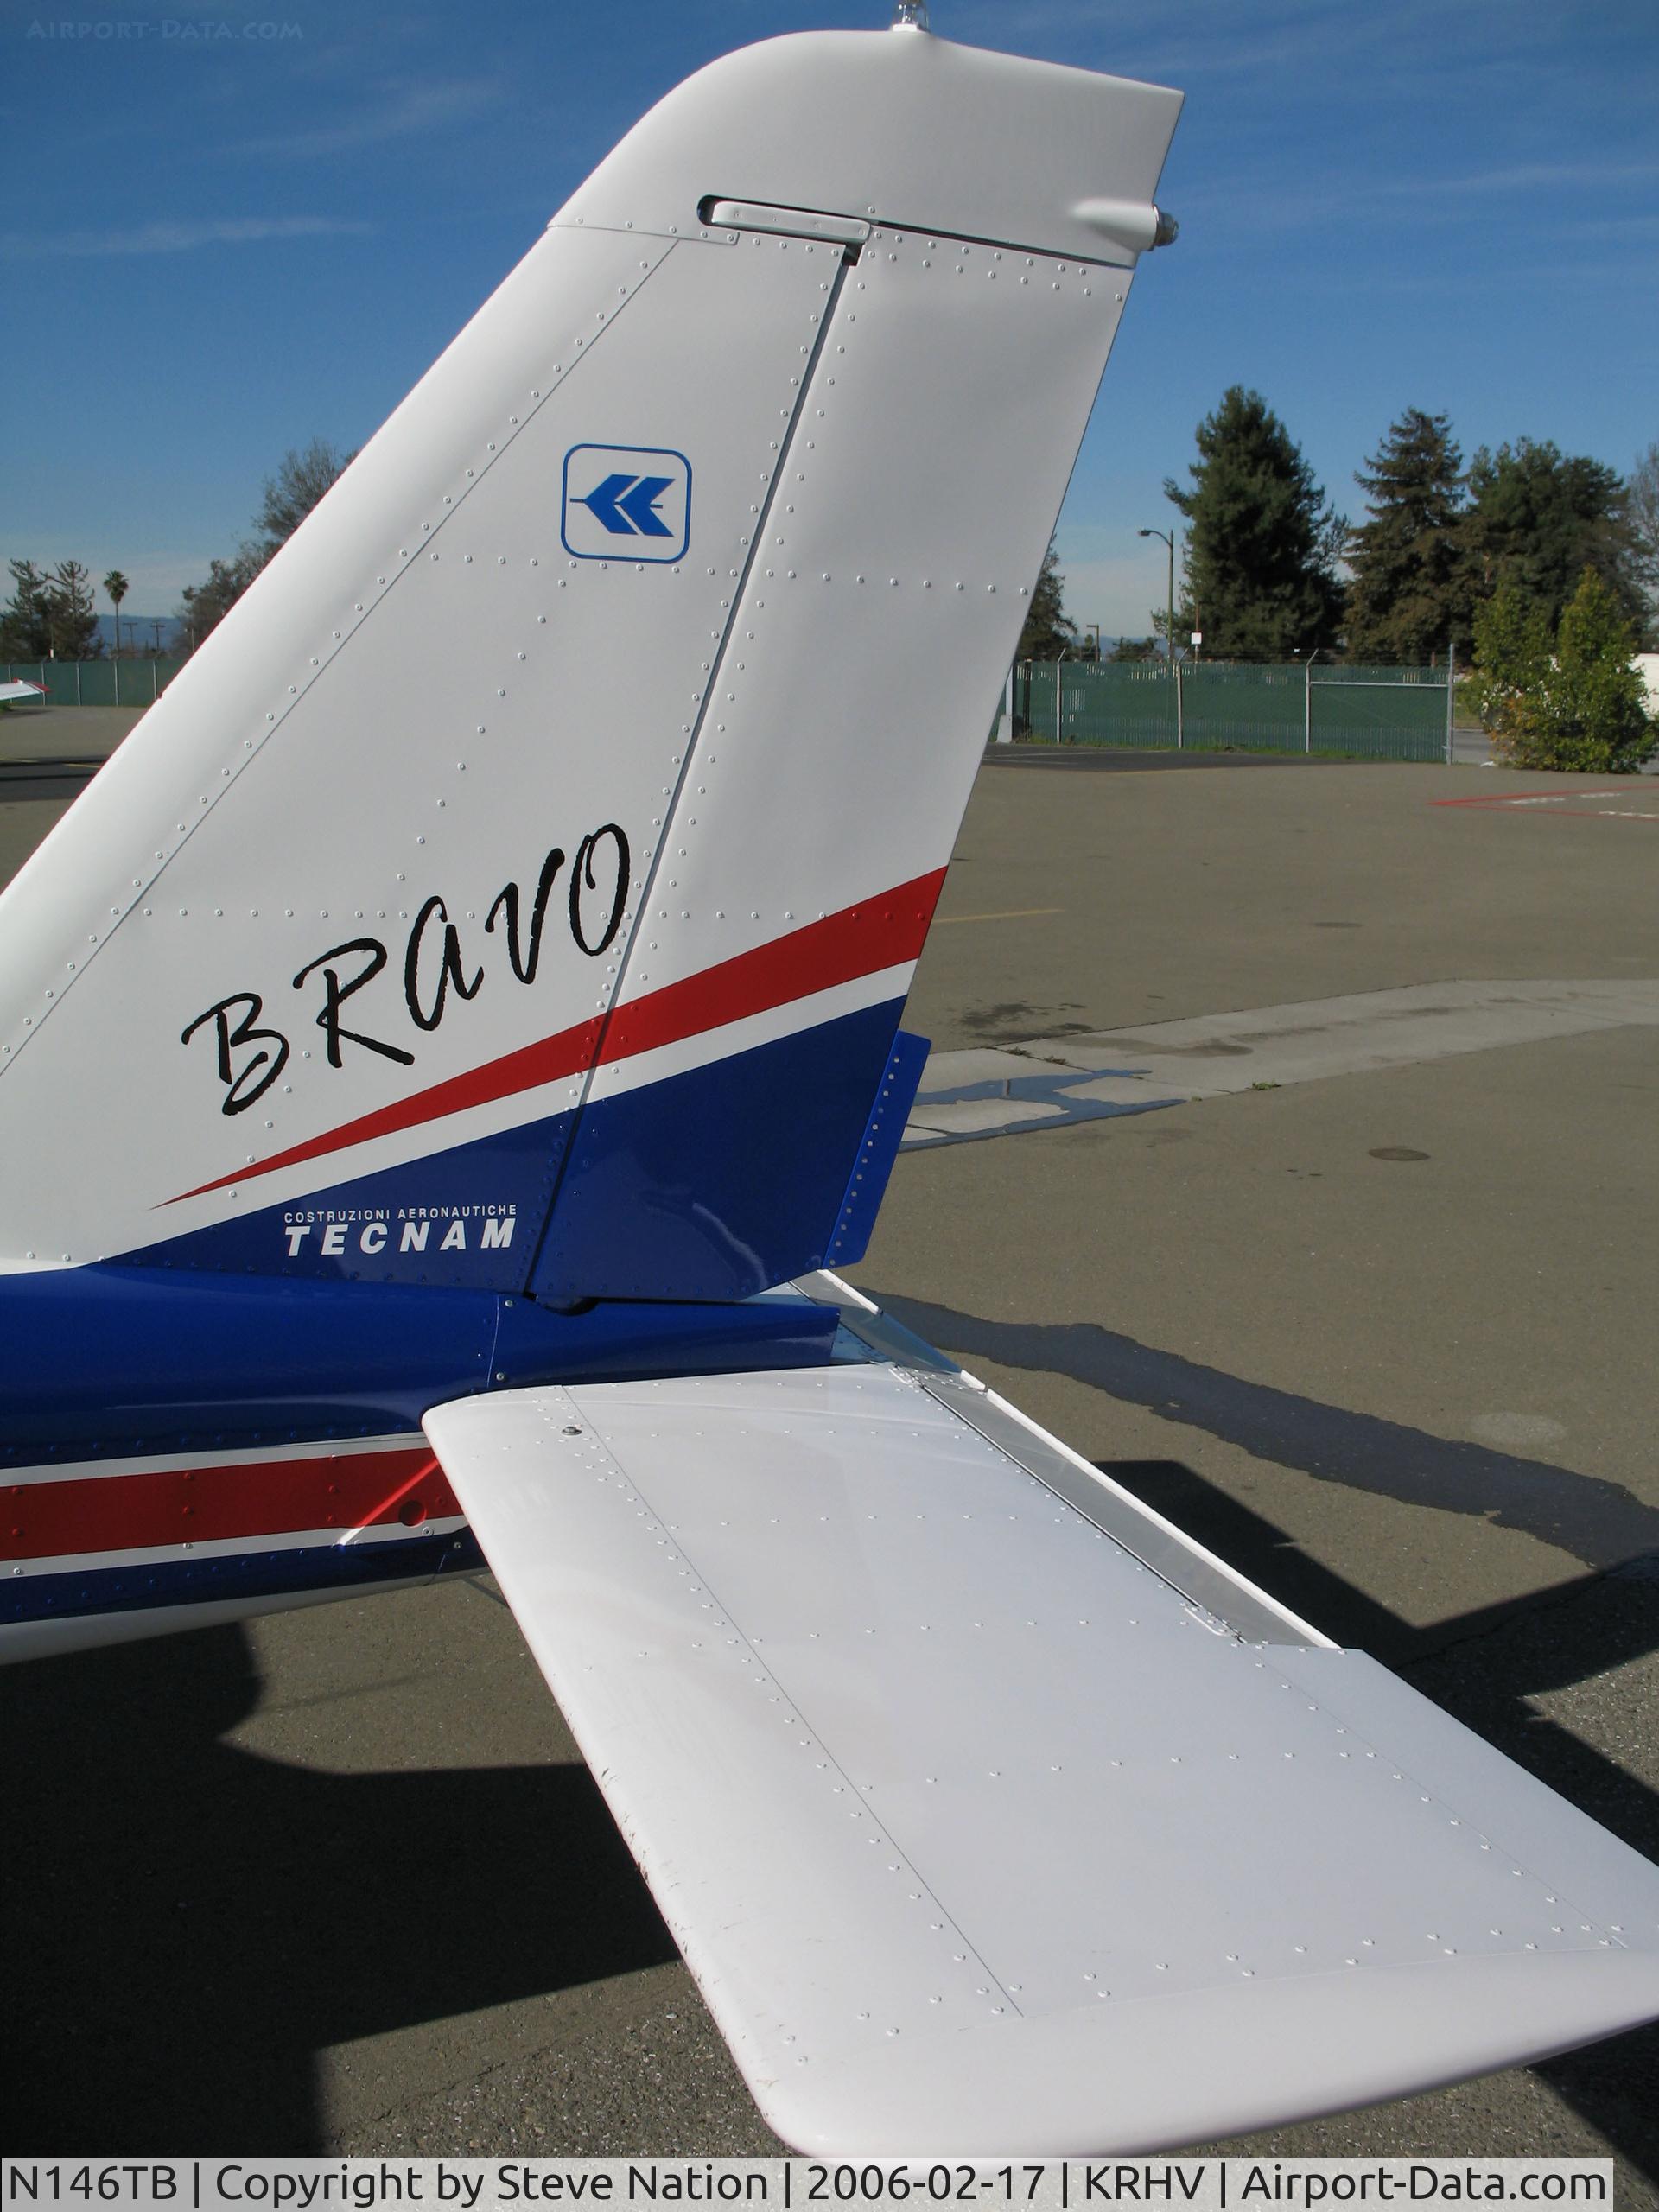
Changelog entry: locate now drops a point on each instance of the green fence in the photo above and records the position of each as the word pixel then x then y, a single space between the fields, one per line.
pixel 124 682
pixel 1378 714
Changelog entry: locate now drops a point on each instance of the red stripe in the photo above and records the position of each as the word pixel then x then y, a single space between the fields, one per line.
pixel 858 941
pixel 201 1505
pixel 1557 800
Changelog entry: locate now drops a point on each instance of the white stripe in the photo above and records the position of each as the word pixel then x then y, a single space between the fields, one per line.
pixel 614 1078
pixel 498 1116
pixel 296 1540
pixel 256 1455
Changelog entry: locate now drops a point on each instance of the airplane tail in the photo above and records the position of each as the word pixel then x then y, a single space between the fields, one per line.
pixel 520 889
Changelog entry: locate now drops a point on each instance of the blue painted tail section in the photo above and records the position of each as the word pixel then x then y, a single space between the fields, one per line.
pixel 193 1362
pixel 463 1219
pixel 866 1185
pixel 721 1182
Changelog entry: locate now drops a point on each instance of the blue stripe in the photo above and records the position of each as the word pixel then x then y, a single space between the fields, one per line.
pixel 501 1184
pixel 110 1362
pixel 238 1578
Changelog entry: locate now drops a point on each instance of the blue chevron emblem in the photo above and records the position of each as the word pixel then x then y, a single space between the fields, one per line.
pixel 626 503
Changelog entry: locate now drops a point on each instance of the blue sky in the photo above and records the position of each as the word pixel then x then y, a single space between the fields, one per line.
pixel 230 228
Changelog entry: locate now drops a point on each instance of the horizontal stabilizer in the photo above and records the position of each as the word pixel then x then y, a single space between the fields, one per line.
pixel 988 1822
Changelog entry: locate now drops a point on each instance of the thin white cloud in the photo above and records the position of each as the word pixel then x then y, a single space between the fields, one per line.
pixel 178 238
pixel 1530 176
pixel 1443 202
pixel 393 109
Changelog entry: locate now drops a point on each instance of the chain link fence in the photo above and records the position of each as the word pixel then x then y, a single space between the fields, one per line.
pixel 112 683
pixel 1375 714
pixel 1357 713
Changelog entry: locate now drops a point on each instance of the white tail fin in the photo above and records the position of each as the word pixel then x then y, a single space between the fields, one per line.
pixel 521 885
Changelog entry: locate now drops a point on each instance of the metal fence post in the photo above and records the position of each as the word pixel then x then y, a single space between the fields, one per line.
pixel 1180 728
pixel 1450 679
pixel 77 682
pixel 1307 703
pixel 115 665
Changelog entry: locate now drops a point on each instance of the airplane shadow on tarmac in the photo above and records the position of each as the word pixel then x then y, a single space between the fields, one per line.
pixel 192 1923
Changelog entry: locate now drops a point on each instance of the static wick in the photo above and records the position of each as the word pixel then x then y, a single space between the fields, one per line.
pixel 909 15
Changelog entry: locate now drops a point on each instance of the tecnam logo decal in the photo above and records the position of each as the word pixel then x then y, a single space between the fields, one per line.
pixel 250 1055
pixel 626 503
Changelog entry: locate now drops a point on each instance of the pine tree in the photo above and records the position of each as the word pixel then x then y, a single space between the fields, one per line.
pixel 1412 589
pixel 1539 518
pixel 1259 570
pixel 72 617
pixel 1049 630
pixel 25 621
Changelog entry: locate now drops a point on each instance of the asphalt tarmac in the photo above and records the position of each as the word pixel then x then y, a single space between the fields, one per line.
pixel 339 1881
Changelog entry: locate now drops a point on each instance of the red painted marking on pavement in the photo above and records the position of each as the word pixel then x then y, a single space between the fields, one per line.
pixel 1560 802
pixel 201 1505
pixel 858 941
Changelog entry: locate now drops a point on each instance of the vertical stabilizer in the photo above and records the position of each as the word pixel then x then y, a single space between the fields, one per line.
pixel 521 885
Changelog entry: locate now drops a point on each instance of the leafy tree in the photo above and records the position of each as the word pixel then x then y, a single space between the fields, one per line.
pixel 1578 706
pixel 1539 518
pixel 1138 648
pixel 1513 650
pixel 302 478
pixel 1412 587
pixel 1048 630
pixel 1642 505
pixel 116 586
pixel 25 621
pixel 1259 572
pixel 203 606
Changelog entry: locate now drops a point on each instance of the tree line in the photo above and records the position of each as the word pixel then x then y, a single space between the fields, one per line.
pixel 1489 563
pixel 51 614
pixel 304 474
pixel 1265 552
pixel 1270 570
pixel 1540 568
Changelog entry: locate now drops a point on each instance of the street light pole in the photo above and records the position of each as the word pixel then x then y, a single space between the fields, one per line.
pixel 1169 536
